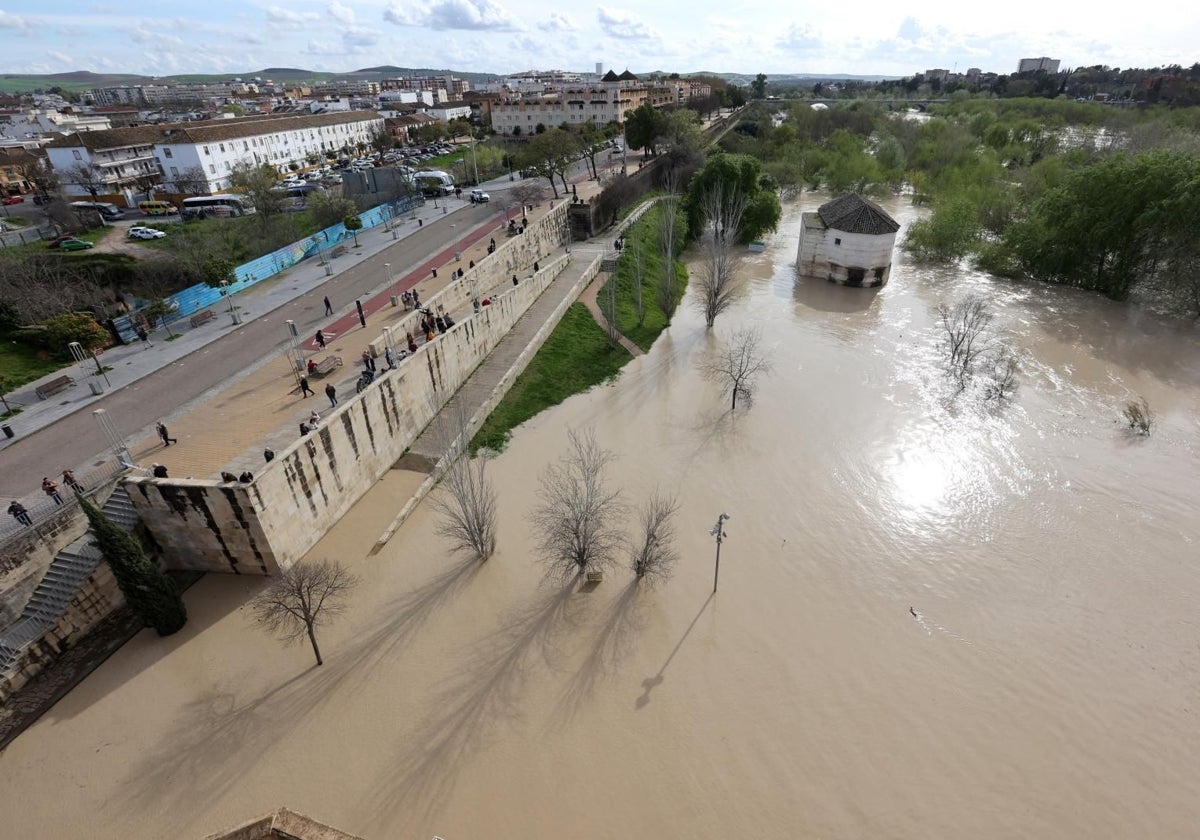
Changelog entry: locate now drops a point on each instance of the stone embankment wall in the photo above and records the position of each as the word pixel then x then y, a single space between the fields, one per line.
pixel 268 524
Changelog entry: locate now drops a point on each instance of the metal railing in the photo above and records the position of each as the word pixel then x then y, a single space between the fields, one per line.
pixel 43 511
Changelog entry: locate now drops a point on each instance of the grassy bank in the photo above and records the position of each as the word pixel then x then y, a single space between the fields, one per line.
pixel 20 364
pixel 643 237
pixel 575 357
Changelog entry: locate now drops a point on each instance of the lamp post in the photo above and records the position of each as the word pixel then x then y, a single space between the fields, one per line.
pixel 474 163
pixel 718 531
pixel 387 268
pixel 115 442
pixel 81 357
pixel 295 354
pixel 233 313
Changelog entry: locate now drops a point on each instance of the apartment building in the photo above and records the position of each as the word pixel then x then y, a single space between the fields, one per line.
pixel 125 161
pixel 1033 65
pixel 609 101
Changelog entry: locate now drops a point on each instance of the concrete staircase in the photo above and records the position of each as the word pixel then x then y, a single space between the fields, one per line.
pixel 66 573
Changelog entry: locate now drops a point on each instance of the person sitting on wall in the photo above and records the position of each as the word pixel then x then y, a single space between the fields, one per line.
pixel 159 471
pixel 246 477
pixel 228 476
pixel 312 367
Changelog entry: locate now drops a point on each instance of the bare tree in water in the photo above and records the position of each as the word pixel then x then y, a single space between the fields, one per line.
pixel 668 239
pixel 1138 415
pixel 722 209
pixel 466 505
pixel 577 520
pixel 966 335
pixel 736 366
pixel 301 597
pixel 652 550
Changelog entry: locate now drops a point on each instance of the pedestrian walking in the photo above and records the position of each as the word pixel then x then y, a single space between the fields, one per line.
pixel 368 361
pixel 515 280
pixel 320 339
pixel 331 392
pixel 50 488
pixel 416 299
pixel 70 480
pixel 305 391
pixel 144 336
pixel 20 513
pixel 328 306
pixel 164 434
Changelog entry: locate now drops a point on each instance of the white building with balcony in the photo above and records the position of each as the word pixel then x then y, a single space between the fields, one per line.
pixel 127 161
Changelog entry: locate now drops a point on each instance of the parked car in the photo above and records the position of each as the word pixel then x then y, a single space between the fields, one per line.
pixel 142 232
pixel 480 197
pixel 73 244
pixel 14 199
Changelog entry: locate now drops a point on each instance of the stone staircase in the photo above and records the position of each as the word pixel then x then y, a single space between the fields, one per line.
pixel 66 573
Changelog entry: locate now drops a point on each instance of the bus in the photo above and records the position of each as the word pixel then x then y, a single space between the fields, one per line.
pixel 222 204
pixel 107 211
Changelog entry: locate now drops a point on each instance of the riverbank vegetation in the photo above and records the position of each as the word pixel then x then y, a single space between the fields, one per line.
pixel 1079 194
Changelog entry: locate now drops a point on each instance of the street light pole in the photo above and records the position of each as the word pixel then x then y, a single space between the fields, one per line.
pixel 474 163
pixel 295 354
pixel 387 268
pixel 115 442
pixel 718 531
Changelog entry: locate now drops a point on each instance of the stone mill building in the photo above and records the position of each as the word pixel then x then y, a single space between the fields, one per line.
pixel 848 241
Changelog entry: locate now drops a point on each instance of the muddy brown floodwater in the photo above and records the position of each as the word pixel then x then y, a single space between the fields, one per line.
pixel 1048 685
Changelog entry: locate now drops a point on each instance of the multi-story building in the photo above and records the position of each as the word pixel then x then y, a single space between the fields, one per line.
pixel 1033 65
pixel 610 101
pixel 937 75
pixel 454 88
pixel 203 154
pixel 446 111
pixel 14 166
pixel 346 87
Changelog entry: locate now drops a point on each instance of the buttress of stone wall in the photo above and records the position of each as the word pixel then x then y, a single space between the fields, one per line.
pixel 268 524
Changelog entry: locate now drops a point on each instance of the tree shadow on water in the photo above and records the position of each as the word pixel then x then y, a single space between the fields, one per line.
pixel 485 694
pixel 615 637
pixel 218 736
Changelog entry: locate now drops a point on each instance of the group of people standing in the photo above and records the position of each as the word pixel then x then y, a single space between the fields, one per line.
pixel 20 513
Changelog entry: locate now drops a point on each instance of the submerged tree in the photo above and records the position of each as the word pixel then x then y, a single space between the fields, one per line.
pixel 301 597
pixel 738 365
pixel 966 335
pixel 721 210
pixel 149 592
pixel 1138 415
pixel 668 240
pixel 467 504
pixel 576 522
pixel 652 551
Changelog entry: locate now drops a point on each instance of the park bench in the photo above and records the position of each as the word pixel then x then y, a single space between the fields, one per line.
pixel 338 250
pixel 202 317
pixel 60 383
pixel 326 365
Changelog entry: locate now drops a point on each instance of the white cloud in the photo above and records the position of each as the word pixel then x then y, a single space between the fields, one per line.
pixel 316 47
pixel 800 39
pixel 339 12
pixel 558 22
pixel 8 21
pixel 455 14
pixel 618 23
pixel 287 19
pixel 357 39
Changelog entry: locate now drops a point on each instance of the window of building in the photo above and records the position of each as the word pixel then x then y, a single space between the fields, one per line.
pixel 206 150
pixel 222 148
pixel 167 152
pixel 212 170
pixel 837 241
pixel 174 171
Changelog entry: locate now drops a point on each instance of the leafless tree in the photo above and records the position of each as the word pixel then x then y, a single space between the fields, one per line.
pixel 576 522
pixel 722 210
pixel 39 173
pixel 40 286
pixel 637 265
pixel 736 366
pixel 1002 382
pixel 967 337
pixel 191 181
pixel 301 597
pixel 652 551
pixel 86 177
pixel 668 236
pixel 1138 416
pixel 610 309
pixel 527 193
pixel 466 505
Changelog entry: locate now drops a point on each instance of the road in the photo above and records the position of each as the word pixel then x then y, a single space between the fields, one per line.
pixel 76 440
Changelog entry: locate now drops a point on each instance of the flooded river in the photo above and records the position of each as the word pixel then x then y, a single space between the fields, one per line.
pixel 1047 686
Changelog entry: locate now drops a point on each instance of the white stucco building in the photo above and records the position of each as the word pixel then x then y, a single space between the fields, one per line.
pixel 127 160
pixel 848 241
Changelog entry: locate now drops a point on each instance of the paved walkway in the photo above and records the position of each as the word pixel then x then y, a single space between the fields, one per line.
pixel 588 299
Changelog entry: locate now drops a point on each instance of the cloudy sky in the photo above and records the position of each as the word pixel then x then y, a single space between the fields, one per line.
pixel 502 36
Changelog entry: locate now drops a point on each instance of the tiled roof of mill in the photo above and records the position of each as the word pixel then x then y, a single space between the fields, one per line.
pixel 855 214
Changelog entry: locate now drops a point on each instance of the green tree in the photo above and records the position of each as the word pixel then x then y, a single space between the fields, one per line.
pixel 643 127
pixel 258 183
pixel 159 310
pixel 735 175
pixel 354 225
pixel 327 209
pixel 948 234
pixel 217 271
pixel 61 330
pixel 150 594
pixel 550 154
pixel 758 88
